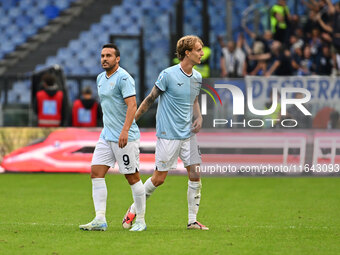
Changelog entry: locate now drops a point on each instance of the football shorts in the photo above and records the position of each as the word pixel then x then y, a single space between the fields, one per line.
pixel 168 151
pixel 108 153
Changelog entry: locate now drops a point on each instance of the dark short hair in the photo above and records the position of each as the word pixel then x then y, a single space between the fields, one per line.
pixel 87 90
pixel 112 46
pixel 49 79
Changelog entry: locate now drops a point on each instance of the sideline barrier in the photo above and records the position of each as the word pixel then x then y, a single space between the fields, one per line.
pixel 326 152
pixel 274 149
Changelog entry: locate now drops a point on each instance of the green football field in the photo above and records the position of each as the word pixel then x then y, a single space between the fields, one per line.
pixel 40 214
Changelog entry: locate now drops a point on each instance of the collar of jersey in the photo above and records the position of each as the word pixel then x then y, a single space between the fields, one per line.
pixel 185 72
pixel 108 77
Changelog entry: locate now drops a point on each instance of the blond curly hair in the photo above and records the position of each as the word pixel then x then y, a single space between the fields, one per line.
pixel 186 43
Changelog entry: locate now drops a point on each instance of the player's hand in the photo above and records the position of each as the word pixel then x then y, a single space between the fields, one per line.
pixel 196 126
pixel 123 139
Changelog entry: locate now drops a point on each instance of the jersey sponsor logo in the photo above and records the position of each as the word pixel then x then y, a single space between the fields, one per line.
pixel 180 84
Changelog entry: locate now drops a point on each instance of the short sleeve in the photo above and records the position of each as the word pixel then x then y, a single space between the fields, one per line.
pixel 127 87
pixel 161 82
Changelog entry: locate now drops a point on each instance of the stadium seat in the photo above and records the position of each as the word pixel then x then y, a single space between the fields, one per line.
pixel 16 95
pixel 14 12
pixel 5 21
pixel 7 47
pixel 23 20
pixel 25 4
pixel 62 4
pixel 30 30
pixel 18 39
pixel 51 11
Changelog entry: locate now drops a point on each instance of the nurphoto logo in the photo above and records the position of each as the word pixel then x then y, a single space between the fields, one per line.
pixel 239 105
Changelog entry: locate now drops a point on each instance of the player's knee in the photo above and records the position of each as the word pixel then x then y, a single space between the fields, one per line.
pixel 96 174
pixel 132 178
pixel 157 181
pixel 194 179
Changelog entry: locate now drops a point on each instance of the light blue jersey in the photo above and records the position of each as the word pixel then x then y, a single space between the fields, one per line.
pixel 112 91
pixel 175 105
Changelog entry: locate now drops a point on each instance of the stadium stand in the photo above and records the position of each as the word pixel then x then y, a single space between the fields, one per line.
pixel 18 24
pixel 151 16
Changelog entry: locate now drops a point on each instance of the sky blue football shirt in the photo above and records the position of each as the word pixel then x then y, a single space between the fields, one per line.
pixel 175 104
pixel 112 91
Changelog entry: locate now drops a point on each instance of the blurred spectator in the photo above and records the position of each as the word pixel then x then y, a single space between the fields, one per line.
pixel 50 104
pixel 253 66
pixel 334 10
pixel 324 62
pixel 281 62
pixel 295 42
pixel 297 56
pixel 307 66
pixel 315 5
pixel 299 33
pixel 266 39
pixel 86 112
pixel 232 59
pixel 279 21
pixel 334 29
pixel 311 23
pixel 315 43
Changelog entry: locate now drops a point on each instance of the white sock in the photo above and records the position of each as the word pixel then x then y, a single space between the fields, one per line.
pixel 138 193
pixel 99 195
pixel 149 189
pixel 194 197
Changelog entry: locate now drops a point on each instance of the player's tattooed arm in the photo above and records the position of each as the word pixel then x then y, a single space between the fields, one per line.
pixel 147 102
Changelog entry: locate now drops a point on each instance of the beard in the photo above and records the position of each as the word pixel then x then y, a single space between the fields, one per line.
pixel 109 67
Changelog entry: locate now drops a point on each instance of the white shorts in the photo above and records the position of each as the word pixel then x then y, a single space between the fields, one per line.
pixel 108 153
pixel 168 151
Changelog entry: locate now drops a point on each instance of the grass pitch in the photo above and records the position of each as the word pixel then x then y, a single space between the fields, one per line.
pixel 40 214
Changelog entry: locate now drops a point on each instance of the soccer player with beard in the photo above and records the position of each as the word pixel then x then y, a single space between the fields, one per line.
pixel 119 139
